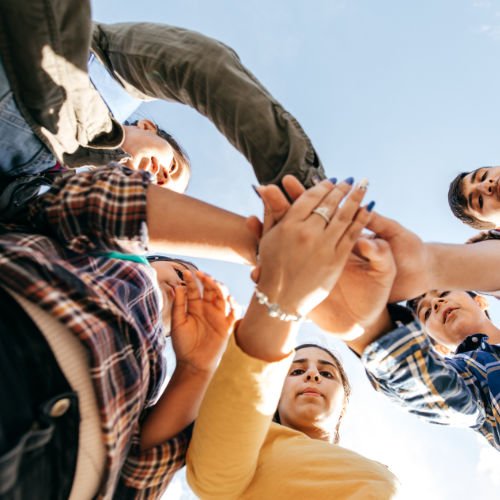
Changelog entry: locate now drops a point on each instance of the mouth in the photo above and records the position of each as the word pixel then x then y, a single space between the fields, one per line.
pixel 311 391
pixel 447 312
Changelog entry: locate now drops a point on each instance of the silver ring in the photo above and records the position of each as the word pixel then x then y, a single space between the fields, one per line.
pixel 323 212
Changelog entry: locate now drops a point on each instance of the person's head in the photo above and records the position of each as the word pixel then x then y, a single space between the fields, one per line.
pixel 315 393
pixel 170 274
pixel 474 198
pixel 157 152
pixel 450 317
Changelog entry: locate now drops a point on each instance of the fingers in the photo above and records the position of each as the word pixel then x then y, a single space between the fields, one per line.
pixel 255 227
pixel 344 215
pixel 255 274
pixel 352 233
pixel 275 205
pixel 236 309
pixel 384 227
pixel 213 292
pixel 378 253
pixel 179 314
pixel 191 289
pixel 292 186
pixel 308 201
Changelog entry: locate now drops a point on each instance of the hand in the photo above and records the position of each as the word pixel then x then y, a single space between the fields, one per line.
pixel 201 330
pixel 302 256
pixel 356 304
pixel 413 262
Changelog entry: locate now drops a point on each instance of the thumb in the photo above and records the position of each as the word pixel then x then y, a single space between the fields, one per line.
pixel 255 227
pixel 384 227
pixel 179 314
pixel 378 253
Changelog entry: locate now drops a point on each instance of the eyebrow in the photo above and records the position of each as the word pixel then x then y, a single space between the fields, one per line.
pixel 320 361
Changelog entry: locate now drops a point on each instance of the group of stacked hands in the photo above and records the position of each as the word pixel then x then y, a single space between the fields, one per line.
pixel 86 194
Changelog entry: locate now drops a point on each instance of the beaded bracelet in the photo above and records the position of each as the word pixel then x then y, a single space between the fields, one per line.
pixel 274 308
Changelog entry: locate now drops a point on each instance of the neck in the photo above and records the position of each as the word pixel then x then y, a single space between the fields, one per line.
pixel 312 431
pixel 492 331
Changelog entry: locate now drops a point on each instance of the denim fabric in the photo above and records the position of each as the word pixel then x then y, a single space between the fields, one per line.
pixel 38 452
pixel 22 151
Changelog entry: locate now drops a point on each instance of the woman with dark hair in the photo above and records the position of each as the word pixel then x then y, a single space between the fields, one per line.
pixel 236 451
pixel 323 383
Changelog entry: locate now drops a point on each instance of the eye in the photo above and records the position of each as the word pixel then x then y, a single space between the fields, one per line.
pixel 179 273
pixel 444 294
pixel 326 374
pixel 483 178
pixel 173 166
pixel 296 372
pixel 427 314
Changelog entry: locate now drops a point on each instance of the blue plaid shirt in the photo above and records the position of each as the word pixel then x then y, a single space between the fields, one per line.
pixel 461 391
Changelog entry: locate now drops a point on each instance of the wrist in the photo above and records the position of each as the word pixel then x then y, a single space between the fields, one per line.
pixel 382 325
pixel 185 368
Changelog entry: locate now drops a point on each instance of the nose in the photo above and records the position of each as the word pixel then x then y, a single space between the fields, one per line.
pixel 312 375
pixel 486 187
pixel 437 302
pixel 162 176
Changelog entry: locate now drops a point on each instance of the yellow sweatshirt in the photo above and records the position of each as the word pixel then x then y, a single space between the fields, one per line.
pixel 237 452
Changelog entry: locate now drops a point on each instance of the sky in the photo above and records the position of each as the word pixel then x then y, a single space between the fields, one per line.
pixel 404 93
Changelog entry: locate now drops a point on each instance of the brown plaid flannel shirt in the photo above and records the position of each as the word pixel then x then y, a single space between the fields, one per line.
pixel 111 305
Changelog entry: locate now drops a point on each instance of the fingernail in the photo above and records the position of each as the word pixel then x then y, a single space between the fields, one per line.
pixel 363 184
pixel 315 179
pixel 370 206
pixel 256 192
pixel 350 181
pixel 333 180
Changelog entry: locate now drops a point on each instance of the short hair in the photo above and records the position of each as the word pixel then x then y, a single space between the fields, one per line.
pixel 160 258
pixel 413 303
pixel 459 204
pixel 180 156
pixel 343 377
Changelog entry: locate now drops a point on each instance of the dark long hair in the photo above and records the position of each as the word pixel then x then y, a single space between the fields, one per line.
pixel 345 384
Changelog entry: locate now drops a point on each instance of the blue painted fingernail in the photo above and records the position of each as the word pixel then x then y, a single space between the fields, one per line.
pixel 370 206
pixel 333 180
pixel 350 181
pixel 256 192
pixel 315 179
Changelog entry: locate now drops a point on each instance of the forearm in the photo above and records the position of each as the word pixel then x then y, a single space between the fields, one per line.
pixel 177 407
pixel 263 337
pixel 464 267
pixel 371 333
pixel 183 225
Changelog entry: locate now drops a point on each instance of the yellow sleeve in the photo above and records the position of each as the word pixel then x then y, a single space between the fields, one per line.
pixel 232 424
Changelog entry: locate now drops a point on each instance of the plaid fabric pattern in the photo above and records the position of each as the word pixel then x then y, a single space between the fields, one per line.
pixel 461 391
pixel 111 305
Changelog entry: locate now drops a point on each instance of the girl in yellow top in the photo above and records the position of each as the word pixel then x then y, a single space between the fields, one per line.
pixel 237 452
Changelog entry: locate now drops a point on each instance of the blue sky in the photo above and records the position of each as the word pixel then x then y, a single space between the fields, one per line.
pixel 404 93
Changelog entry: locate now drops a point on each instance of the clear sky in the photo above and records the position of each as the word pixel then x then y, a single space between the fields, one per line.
pixel 404 93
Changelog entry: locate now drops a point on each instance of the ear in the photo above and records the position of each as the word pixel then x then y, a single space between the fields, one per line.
pixel 482 302
pixel 147 125
pixel 442 349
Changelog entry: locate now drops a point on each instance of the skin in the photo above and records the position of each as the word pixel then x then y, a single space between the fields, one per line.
pixel 202 320
pixel 182 225
pixel 153 154
pixel 170 275
pixel 314 413
pixel 450 317
pixel 482 190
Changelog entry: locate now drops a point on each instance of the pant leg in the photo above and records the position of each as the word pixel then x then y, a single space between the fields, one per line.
pixel 154 61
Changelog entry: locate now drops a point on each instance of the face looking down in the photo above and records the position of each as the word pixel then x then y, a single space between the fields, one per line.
pixel 155 155
pixel 313 397
pixel 450 317
pixel 170 274
pixel 481 188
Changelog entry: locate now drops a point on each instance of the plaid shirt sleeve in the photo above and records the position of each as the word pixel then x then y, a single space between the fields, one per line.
pixel 403 366
pixel 146 474
pixel 99 210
